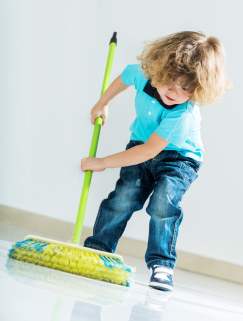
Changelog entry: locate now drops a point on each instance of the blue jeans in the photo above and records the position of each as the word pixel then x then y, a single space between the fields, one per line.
pixel 167 176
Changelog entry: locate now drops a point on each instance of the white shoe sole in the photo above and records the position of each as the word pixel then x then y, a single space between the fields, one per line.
pixel 160 286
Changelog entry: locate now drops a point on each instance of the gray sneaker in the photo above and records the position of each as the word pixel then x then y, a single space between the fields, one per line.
pixel 161 278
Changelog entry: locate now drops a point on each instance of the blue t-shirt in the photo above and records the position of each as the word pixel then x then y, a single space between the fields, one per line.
pixel 177 124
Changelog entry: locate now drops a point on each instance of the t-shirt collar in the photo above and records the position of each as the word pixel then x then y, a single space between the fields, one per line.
pixel 150 90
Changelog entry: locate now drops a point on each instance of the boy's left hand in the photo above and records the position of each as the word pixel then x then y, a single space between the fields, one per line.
pixel 92 163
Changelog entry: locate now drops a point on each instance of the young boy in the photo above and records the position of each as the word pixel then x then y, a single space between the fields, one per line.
pixel 165 151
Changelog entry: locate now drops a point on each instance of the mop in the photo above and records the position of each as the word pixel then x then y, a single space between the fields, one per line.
pixel 71 257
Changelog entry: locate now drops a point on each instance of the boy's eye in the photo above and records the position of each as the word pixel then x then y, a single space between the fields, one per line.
pixel 184 89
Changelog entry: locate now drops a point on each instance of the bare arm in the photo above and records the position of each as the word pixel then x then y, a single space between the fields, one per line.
pixel 100 109
pixel 137 154
pixel 115 88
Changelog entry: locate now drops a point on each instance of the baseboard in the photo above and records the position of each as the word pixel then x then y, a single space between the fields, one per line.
pixel 63 231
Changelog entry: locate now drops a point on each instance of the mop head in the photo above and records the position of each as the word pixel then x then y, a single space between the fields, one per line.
pixel 74 259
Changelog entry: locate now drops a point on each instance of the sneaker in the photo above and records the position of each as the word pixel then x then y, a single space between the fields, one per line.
pixel 161 278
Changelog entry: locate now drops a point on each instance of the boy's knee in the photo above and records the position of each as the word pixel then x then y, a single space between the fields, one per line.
pixel 163 205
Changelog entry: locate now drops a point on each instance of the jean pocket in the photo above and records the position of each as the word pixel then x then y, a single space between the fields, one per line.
pixel 188 173
pixel 133 143
pixel 129 145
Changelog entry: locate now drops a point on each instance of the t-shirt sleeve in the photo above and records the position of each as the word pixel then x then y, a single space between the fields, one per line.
pixel 176 127
pixel 131 75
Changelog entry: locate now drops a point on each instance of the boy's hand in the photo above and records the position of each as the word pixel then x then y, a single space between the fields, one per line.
pixel 99 110
pixel 93 164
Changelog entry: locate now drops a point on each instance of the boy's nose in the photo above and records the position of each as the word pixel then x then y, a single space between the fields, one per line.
pixel 173 90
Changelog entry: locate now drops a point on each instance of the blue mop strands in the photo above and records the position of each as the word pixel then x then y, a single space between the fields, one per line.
pixel 30 244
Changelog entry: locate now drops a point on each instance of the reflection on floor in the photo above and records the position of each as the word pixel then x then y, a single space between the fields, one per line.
pixel 31 292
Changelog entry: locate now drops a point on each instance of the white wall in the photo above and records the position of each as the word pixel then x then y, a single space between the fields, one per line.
pixel 53 56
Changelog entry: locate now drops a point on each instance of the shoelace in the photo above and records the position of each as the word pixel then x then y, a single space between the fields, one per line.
pixel 162 272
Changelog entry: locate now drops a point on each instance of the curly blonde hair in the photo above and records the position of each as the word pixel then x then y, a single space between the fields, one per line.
pixel 199 59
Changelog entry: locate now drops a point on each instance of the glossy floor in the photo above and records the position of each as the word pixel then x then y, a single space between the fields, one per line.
pixel 30 292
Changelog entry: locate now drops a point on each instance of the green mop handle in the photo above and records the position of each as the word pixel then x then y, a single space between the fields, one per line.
pixel 93 148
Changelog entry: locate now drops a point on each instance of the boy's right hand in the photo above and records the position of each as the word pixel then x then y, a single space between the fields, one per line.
pixel 99 110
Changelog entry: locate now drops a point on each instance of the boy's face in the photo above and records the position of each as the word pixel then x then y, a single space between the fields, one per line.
pixel 173 93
